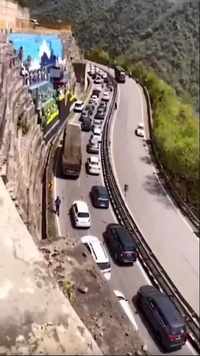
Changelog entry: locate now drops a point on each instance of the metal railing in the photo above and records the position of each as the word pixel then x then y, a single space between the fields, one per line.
pixel 148 260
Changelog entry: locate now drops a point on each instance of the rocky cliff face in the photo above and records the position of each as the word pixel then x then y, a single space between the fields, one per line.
pixel 23 152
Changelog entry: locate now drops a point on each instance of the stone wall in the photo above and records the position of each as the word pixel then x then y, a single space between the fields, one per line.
pixel 23 151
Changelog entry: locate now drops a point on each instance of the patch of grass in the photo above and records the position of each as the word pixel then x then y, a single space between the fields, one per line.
pixel 68 289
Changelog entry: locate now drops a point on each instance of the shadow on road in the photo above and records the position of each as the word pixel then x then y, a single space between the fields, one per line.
pixel 57 166
pixel 147 160
pixel 153 186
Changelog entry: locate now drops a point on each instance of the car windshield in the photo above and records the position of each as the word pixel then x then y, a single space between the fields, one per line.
pixel 82 214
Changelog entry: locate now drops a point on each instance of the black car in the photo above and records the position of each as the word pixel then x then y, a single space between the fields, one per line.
pixel 121 244
pixel 99 197
pixel 163 317
pixel 100 115
pixel 86 125
pixel 84 115
pixel 96 92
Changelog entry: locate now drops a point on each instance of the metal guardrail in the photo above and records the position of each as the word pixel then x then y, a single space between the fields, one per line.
pixel 148 260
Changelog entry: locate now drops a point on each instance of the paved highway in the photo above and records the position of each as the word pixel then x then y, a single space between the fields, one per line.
pixel 166 231
pixel 126 279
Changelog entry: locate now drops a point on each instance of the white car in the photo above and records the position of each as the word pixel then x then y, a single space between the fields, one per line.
pixel 78 106
pixel 94 140
pixel 140 130
pixel 126 307
pixel 99 254
pixel 97 122
pixel 97 132
pixel 94 97
pixel 106 96
pixel 80 214
pixel 93 165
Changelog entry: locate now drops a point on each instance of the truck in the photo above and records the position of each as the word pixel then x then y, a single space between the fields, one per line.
pixel 120 75
pixel 71 151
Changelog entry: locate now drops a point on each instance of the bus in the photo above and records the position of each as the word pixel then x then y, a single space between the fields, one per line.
pixel 120 75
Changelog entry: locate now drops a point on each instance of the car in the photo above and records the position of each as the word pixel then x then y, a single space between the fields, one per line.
pixel 93 139
pixel 103 105
pixel 78 106
pixel 106 96
pixel 126 307
pixel 89 108
pixel 96 92
pixel 80 214
pixel 94 97
pixel 99 197
pixel 140 130
pixel 97 132
pixel 99 254
pixel 93 165
pixel 98 80
pixel 100 115
pixel 94 127
pixel 93 102
pixel 84 115
pixel 105 77
pixel 97 122
pixel 121 244
pixel 163 317
pixel 86 125
pixel 93 148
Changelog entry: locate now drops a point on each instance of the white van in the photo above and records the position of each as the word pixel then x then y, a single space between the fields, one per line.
pixel 99 254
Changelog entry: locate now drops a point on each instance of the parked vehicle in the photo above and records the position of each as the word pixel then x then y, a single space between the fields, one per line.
pixel 121 244
pixel 97 132
pixel 100 115
pixel 78 106
pixel 106 96
pixel 99 197
pixel 96 92
pixel 94 139
pixel 126 307
pixel 71 151
pixel 163 317
pixel 86 125
pixel 140 130
pixel 99 254
pixel 84 115
pixel 120 74
pixel 93 148
pixel 93 165
pixel 98 80
pixel 80 214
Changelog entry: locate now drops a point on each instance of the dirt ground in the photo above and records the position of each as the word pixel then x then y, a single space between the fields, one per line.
pixel 90 296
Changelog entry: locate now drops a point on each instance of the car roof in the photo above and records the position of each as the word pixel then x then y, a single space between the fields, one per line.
pixel 167 308
pixel 97 129
pixel 100 189
pixel 97 249
pixel 123 235
pixel 81 205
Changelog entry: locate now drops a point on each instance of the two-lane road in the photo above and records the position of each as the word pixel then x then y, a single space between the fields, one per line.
pixel 125 279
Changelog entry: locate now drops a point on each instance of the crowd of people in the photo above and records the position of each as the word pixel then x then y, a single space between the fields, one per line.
pixel 31 77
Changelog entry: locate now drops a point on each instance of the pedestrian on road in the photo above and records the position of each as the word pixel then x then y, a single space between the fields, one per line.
pixel 125 189
pixel 57 205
